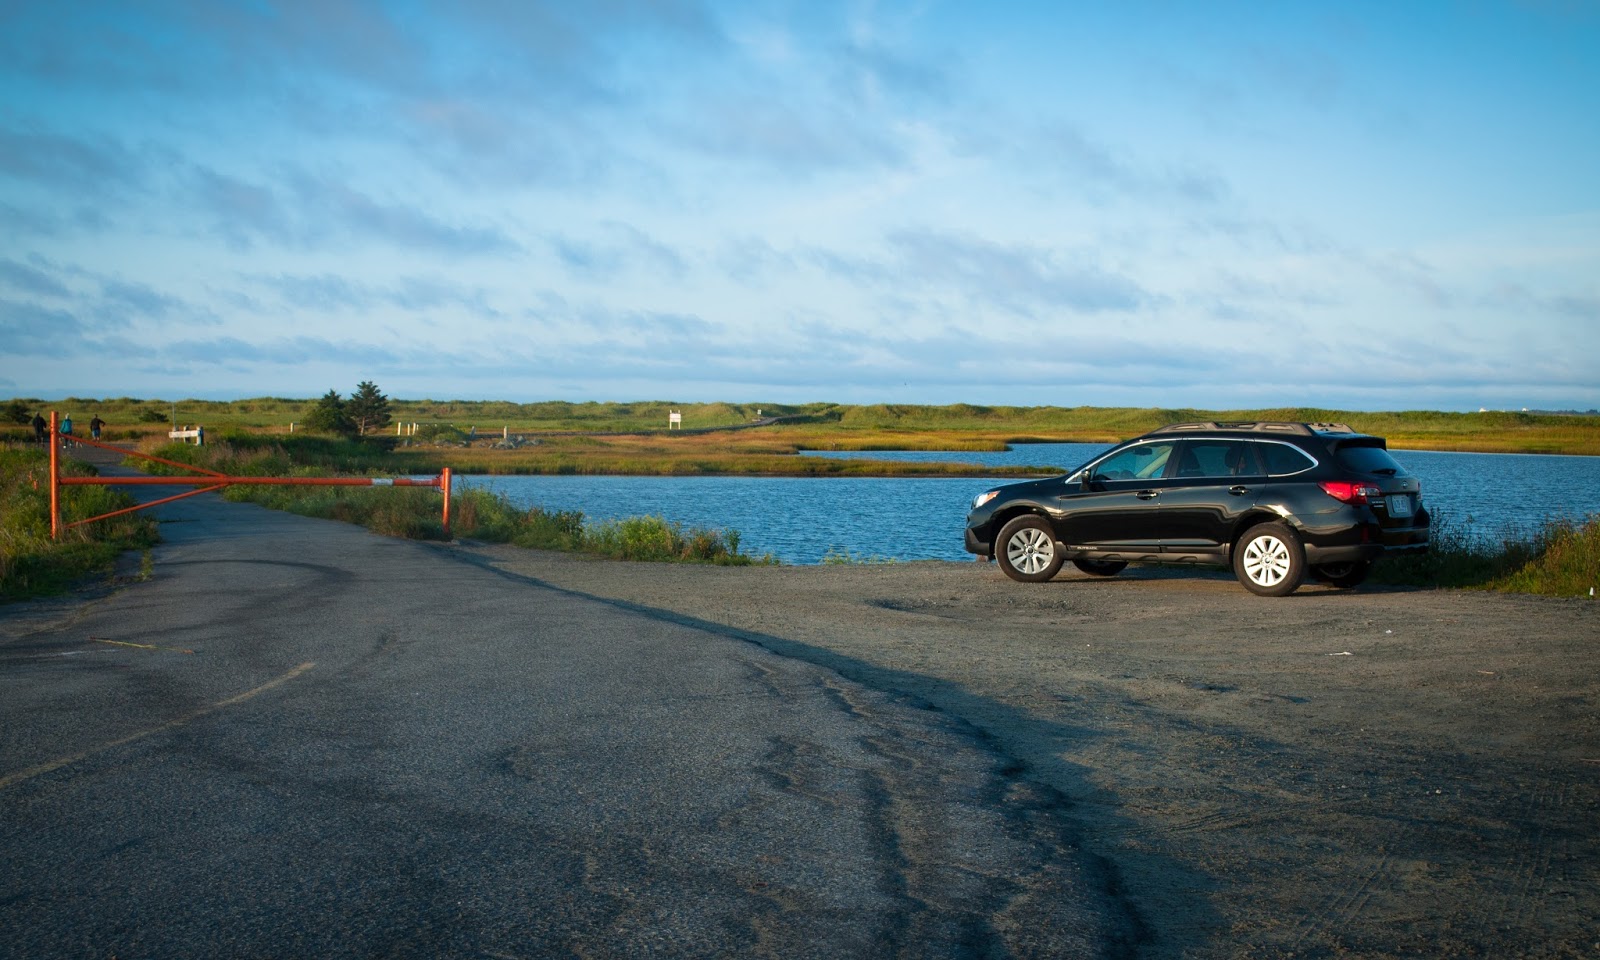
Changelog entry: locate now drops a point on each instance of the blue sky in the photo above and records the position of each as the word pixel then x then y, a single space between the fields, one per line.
pixel 1211 205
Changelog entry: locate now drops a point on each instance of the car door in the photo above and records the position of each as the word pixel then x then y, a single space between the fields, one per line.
pixel 1114 504
pixel 1215 481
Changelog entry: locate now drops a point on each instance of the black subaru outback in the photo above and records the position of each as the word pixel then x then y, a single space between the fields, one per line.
pixel 1276 501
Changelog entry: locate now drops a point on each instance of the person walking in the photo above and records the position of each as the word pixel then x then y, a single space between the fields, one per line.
pixel 95 425
pixel 66 431
pixel 40 428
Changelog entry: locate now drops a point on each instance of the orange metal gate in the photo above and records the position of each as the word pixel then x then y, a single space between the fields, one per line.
pixel 209 481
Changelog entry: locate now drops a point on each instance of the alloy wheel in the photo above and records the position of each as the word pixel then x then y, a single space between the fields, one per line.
pixel 1267 560
pixel 1030 550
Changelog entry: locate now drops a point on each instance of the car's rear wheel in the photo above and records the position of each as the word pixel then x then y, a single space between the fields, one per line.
pixel 1028 550
pixel 1269 560
pixel 1343 575
pixel 1101 568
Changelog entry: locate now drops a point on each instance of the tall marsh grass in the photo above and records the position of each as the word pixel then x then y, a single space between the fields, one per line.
pixel 1560 559
pixel 31 563
pixel 1565 562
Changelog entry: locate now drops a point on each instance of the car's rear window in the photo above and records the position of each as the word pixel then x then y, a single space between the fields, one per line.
pixel 1369 459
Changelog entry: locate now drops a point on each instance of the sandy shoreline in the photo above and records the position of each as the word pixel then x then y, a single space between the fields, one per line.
pixel 1369 774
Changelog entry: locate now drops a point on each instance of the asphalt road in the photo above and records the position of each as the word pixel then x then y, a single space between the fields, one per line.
pixel 295 738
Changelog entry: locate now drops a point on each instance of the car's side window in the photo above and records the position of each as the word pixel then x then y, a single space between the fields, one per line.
pixel 1245 461
pixel 1143 461
pixel 1217 458
pixel 1281 460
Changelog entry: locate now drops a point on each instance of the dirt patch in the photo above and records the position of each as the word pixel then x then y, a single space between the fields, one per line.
pixel 1369 773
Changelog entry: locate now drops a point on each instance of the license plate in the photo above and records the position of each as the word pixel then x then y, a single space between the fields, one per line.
pixel 1399 504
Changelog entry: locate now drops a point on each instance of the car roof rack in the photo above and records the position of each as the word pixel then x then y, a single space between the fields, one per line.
pixel 1256 426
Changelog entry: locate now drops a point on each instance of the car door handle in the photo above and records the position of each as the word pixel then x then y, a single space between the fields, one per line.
pixel 1239 490
pixel 1148 494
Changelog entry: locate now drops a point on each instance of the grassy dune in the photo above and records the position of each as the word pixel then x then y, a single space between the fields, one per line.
pixel 816 426
pixel 960 426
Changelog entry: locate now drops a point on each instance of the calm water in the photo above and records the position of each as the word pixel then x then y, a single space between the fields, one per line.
pixel 802 520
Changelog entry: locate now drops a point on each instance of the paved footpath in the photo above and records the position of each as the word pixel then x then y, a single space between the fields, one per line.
pixel 299 739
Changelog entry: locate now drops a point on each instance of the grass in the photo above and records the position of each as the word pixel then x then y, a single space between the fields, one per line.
pixel 34 565
pixel 804 426
pixel 774 450
pixel 133 417
pixel 1564 562
pixel 1561 559
pixel 747 453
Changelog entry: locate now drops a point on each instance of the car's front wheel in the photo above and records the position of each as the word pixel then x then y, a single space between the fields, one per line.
pixel 1269 560
pixel 1345 575
pixel 1028 550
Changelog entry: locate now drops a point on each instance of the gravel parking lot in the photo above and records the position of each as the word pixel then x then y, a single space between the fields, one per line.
pixel 1369 773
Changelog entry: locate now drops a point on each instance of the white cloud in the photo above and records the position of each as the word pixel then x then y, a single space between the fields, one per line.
pixel 938 203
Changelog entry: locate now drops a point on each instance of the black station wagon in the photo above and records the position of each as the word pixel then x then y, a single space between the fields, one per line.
pixel 1276 501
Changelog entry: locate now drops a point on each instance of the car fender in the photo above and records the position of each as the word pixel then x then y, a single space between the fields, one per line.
pixel 1261 513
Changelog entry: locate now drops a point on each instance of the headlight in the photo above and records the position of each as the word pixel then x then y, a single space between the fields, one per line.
pixel 984 498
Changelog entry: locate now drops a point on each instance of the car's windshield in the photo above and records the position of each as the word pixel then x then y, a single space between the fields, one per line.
pixel 1139 462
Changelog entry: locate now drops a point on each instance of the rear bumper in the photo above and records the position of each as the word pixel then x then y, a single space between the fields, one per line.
pixel 1368 541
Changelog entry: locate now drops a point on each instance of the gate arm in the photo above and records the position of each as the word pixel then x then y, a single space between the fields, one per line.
pixel 210 481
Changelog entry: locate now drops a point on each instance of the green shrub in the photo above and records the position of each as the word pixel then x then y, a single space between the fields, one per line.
pixel 439 433
pixel 655 538
pixel 544 530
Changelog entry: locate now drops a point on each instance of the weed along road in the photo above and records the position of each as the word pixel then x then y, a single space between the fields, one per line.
pixel 291 737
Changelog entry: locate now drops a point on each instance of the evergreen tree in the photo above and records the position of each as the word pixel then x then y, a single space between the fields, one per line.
pixel 368 408
pixel 329 415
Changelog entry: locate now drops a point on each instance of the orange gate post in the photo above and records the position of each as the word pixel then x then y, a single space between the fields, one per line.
pixel 444 481
pixel 55 478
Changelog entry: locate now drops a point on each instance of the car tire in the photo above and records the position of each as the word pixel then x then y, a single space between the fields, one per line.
pixel 1342 575
pixel 1027 550
pixel 1269 560
pixel 1101 568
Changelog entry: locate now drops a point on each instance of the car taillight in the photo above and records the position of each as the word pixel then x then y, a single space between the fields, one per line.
pixel 1347 492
